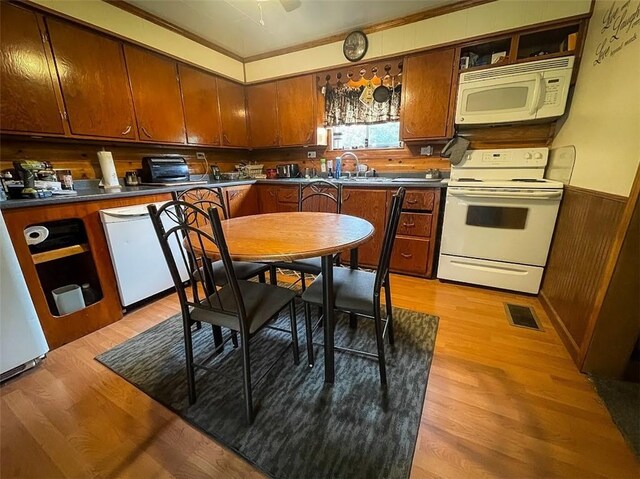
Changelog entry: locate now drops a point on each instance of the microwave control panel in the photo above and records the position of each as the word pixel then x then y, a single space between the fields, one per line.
pixel 553 88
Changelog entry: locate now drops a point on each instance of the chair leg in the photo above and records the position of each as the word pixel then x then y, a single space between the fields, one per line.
pixel 309 333
pixel 380 341
pixel 198 324
pixel 273 278
pixel 262 278
pixel 303 282
pixel 294 332
pixel 389 308
pixel 234 339
pixel 217 337
pixel 188 350
pixel 246 376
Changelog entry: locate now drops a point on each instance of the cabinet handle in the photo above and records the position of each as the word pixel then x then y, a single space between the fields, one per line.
pixel 406 255
pixel 408 225
pixel 271 193
pixel 225 138
pixel 345 198
pixel 412 202
pixel 126 130
pixel 144 130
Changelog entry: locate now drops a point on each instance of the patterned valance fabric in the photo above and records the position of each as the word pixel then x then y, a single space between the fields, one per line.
pixel 347 105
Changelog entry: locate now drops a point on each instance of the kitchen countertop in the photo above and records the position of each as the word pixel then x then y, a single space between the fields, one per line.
pixel 94 193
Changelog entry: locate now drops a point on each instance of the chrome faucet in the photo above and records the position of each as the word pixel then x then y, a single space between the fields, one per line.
pixel 355 157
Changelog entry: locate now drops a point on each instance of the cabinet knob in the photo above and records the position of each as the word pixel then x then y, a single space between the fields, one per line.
pixel 126 130
pixel 408 225
pixel 406 255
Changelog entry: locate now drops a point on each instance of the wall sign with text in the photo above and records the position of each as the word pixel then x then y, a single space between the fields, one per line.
pixel 619 28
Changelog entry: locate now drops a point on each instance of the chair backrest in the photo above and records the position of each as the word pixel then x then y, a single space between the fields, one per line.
pixel 203 197
pixel 389 238
pixel 175 221
pixel 320 195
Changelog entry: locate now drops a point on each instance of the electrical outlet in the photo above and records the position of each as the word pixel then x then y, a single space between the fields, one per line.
pixel 200 155
pixel 311 154
pixel 426 150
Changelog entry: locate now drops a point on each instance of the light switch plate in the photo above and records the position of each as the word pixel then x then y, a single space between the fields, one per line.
pixel 311 154
pixel 200 155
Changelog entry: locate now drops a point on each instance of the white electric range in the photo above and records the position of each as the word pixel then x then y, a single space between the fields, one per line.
pixel 499 219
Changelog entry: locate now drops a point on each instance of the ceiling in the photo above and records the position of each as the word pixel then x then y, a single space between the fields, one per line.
pixel 235 24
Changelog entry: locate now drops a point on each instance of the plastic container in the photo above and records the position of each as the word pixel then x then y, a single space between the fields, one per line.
pixel 68 299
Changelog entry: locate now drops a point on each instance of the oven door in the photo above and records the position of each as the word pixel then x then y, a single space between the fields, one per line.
pixel 500 224
pixel 499 100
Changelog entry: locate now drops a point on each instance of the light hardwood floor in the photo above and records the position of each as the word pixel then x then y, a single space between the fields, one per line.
pixel 501 402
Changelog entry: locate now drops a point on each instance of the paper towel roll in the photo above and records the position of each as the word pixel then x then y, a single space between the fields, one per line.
pixel 109 175
pixel 36 234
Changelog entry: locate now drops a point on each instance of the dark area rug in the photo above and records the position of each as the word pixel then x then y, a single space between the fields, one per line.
pixel 622 399
pixel 303 427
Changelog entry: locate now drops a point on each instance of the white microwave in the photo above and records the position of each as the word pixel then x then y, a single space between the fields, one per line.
pixel 519 92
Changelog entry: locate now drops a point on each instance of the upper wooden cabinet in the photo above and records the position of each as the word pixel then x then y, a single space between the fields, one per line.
pixel 201 110
pixel 297 111
pixel 94 81
pixel 426 95
pixel 262 109
pixel 27 90
pixel 233 116
pixel 156 96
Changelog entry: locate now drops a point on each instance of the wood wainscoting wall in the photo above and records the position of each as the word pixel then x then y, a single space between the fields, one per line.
pixel 582 246
pixel 81 157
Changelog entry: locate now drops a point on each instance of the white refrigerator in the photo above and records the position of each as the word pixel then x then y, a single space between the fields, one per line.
pixel 22 342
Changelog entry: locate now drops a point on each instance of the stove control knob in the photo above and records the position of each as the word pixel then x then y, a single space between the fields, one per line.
pixel 538 156
pixel 527 156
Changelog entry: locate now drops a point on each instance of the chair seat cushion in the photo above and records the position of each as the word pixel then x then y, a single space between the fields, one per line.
pixel 244 270
pixel 261 302
pixel 353 290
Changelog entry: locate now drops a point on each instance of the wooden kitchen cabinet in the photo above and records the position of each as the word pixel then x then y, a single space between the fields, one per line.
pixel 241 200
pixel 371 205
pixel 297 111
pixel 28 101
pixel 415 245
pixel 233 116
pixel 94 257
pixel 277 199
pixel 262 111
pixel 156 96
pixel 94 82
pixel 426 95
pixel 201 110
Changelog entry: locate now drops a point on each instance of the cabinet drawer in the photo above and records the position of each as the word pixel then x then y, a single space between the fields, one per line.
pixel 288 194
pixel 410 255
pixel 415 224
pixel 419 200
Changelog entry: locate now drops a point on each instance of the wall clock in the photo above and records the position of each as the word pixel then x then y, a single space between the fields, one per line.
pixel 355 46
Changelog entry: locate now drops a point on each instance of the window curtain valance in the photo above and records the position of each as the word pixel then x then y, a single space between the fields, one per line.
pixel 356 102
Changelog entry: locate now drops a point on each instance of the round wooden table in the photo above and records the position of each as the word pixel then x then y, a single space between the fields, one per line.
pixel 298 235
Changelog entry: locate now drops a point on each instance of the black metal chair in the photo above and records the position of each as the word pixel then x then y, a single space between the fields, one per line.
pixel 317 195
pixel 241 306
pixel 205 198
pixel 358 292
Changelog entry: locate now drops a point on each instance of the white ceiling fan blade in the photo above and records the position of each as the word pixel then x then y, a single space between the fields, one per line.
pixel 290 5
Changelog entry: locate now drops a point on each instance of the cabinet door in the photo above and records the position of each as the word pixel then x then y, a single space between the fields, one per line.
pixel 94 81
pixel 27 95
pixel 242 201
pixel 156 96
pixel 296 111
pixel 370 205
pixel 426 91
pixel 201 111
pixel 233 116
pixel 263 115
pixel 267 199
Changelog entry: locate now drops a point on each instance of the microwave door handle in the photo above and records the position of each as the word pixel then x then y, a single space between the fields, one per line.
pixel 537 93
pixel 544 195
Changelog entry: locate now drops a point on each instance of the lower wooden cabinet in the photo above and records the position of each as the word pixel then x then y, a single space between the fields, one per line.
pixel 276 199
pixel 88 262
pixel 371 205
pixel 241 200
pixel 410 255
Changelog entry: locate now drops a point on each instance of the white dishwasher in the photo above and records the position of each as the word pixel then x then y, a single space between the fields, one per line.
pixel 140 267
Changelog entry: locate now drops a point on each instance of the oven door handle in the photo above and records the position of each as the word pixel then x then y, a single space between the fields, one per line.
pixel 535 195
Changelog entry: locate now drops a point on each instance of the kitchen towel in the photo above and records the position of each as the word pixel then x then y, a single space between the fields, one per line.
pixel 109 175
